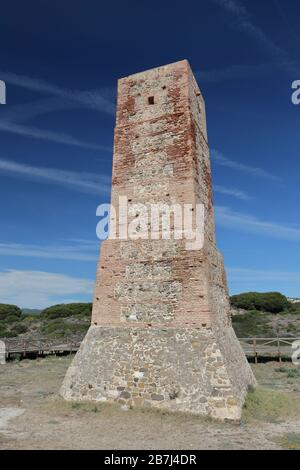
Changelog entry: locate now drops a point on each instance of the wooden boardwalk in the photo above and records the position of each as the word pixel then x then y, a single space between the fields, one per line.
pixel 41 347
pixel 255 348
pixel 276 348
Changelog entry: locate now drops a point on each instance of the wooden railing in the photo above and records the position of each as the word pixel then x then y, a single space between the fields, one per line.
pixel 42 346
pixel 255 348
pixel 277 348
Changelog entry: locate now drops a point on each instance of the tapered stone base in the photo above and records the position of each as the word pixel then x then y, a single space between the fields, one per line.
pixel 191 370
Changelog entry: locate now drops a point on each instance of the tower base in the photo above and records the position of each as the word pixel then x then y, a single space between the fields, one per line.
pixel 180 369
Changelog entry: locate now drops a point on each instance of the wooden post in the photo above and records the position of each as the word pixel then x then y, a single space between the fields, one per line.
pixel 255 351
pixel 279 351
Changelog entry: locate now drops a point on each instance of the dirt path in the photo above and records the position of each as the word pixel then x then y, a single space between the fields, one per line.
pixel 32 416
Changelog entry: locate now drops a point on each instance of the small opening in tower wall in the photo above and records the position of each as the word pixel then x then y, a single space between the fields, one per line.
pixel 151 100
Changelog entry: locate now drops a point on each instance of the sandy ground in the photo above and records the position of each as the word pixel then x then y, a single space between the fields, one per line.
pixel 32 416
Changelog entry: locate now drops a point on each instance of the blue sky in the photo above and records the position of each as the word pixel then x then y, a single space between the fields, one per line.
pixel 61 62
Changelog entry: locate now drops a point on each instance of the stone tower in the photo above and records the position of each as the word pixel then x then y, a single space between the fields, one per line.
pixel 161 331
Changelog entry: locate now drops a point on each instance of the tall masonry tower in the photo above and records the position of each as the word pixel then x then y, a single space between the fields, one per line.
pixel 161 331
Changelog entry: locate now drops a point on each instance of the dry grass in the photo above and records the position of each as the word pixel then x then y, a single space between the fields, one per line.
pixel 270 405
pixel 290 441
pixel 48 422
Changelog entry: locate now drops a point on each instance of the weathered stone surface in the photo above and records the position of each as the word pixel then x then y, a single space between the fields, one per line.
pixel 171 367
pixel 161 330
pixel 148 312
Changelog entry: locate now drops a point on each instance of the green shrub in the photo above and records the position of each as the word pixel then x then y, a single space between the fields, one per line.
pixel 7 310
pixel 272 302
pixel 7 334
pixel 291 328
pixel 62 328
pixel 17 357
pixel 19 328
pixel 293 373
pixel 11 319
pixel 270 405
pixel 294 308
pixel 57 326
pixel 30 319
pixel 280 369
pixel 3 332
pixel 252 323
pixel 68 310
pixel 290 441
pixel 290 373
pixel 12 334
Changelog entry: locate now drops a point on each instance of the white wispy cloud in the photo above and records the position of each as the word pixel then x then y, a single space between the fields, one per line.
pixel 226 217
pixel 220 159
pixel 245 23
pixel 95 99
pixel 84 182
pixel 38 289
pixel 11 118
pixel 85 243
pixel 232 192
pixel 27 111
pixel 71 251
pixel 36 133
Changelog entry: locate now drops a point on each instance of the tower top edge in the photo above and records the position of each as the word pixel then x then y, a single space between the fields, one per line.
pixel 162 68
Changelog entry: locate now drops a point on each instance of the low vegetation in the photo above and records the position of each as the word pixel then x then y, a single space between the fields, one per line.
pixel 265 315
pixel 56 321
pixel 81 310
pixel 270 419
pixel 253 324
pixel 270 405
pixel 266 403
pixel 272 302
pixel 254 315
pixel 60 328
pixel 293 373
pixel 290 441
